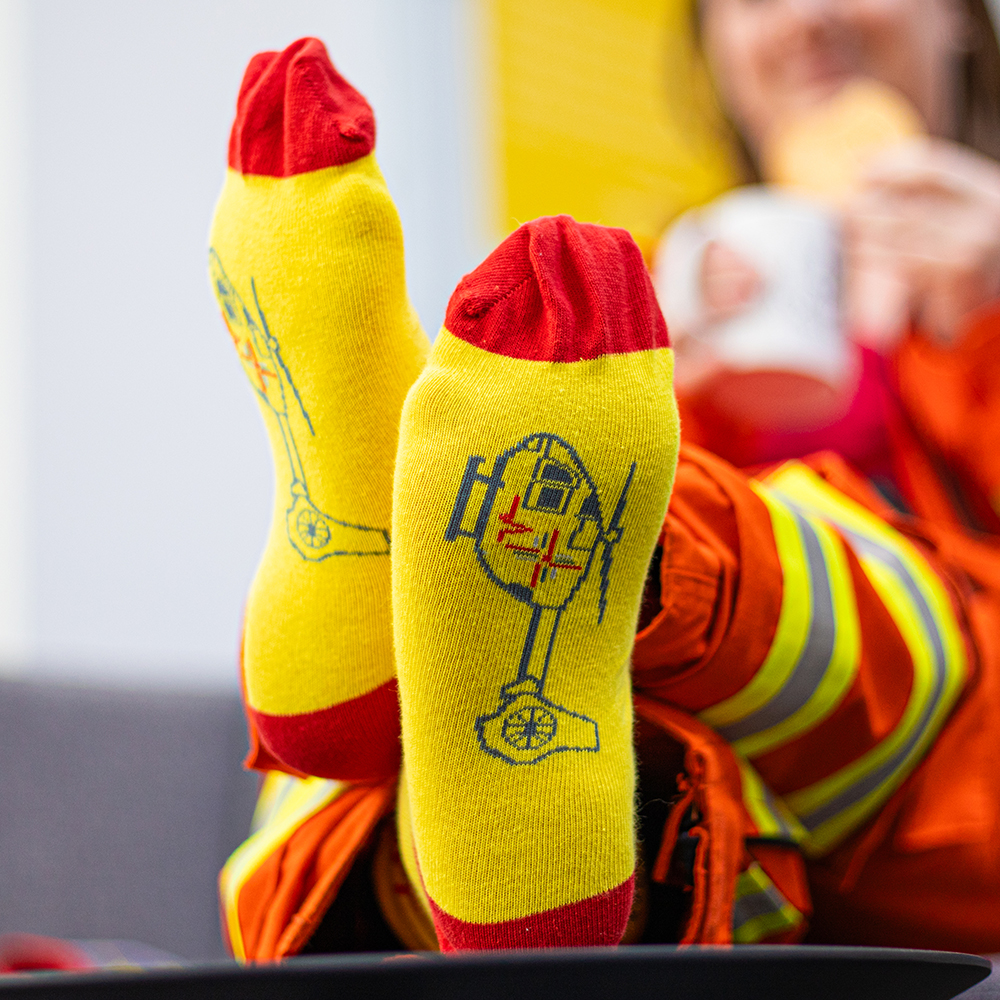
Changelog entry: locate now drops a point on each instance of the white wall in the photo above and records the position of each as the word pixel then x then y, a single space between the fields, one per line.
pixel 146 496
pixel 15 579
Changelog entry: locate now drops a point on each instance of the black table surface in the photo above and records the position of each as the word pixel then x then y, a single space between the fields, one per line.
pixel 755 972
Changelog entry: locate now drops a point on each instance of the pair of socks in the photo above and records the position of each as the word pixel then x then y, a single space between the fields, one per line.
pixel 471 524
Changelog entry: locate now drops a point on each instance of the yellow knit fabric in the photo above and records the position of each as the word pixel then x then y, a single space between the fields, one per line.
pixel 308 271
pixel 520 775
pixel 407 849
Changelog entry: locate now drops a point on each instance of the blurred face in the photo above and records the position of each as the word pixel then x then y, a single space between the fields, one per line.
pixel 775 58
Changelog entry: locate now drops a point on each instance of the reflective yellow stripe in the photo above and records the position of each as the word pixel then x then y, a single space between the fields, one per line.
pixel 827 666
pixel 287 803
pixel 814 493
pixel 815 654
pixel 809 799
pixel 274 789
pixel 845 659
pixel 770 815
pixel 790 634
pixel 760 910
pixel 922 611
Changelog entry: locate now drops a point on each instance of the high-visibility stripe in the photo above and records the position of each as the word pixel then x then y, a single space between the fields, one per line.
pixel 287 803
pixel 791 633
pixel 919 605
pixel 815 654
pixel 759 909
pixel 773 819
pixel 274 789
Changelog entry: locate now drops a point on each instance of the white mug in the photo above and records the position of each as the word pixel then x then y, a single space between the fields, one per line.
pixel 784 362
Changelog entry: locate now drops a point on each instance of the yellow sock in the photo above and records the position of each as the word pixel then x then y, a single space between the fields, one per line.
pixel 536 457
pixel 307 263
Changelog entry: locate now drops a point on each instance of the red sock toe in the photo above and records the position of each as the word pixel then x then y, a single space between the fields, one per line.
pixel 559 290
pixel 296 113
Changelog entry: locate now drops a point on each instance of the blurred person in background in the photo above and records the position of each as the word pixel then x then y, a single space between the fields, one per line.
pixel 900 372
pixel 848 308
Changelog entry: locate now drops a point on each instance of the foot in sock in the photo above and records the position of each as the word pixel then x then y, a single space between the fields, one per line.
pixel 536 458
pixel 307 263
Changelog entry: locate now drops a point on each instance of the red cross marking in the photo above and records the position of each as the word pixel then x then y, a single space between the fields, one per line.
pixel 250 355
pixel 235 339
pixel 513 526
pixel 547 560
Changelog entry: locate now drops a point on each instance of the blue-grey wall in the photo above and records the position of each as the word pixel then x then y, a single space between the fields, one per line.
pixel 148 479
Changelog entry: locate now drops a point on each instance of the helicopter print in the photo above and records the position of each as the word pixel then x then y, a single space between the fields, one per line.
pixel 537 531
pixel 314 534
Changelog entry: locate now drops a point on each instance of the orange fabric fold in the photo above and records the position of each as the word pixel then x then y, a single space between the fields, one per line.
pixel 283 901
pixel 715 787
pixel 717 534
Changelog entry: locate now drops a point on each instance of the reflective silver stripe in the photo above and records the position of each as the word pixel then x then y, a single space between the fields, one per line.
pixel 889 559
pixel 776 814
pixel 880 774
pixel 885 771
pixel 770 815
pixel 760 909
pixel 761 903
pixel 898 761
pixel 816 654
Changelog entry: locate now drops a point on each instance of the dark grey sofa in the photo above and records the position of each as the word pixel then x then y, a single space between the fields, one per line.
pixel 117 809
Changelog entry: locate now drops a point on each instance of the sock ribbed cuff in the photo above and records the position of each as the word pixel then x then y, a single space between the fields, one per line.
pixel 355 740
pixel 599 921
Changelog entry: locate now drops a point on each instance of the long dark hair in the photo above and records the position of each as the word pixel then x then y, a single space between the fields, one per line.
pixel 978 112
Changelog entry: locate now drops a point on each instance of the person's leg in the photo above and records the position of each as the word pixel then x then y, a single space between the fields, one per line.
pixel 799 621
pixel 307 264
pixel 537 452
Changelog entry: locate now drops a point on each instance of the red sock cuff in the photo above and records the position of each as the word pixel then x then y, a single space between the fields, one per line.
pixel 559 290
pixel 355 740
pixel 599 921
pixel 296 113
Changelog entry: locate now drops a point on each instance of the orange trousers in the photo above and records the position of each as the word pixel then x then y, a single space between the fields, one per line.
pixel 925 871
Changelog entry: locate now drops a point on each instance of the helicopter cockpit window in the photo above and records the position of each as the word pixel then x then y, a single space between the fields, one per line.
pixel 552 487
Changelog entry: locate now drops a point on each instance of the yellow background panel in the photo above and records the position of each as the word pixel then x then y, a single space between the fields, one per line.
pixel 604 112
